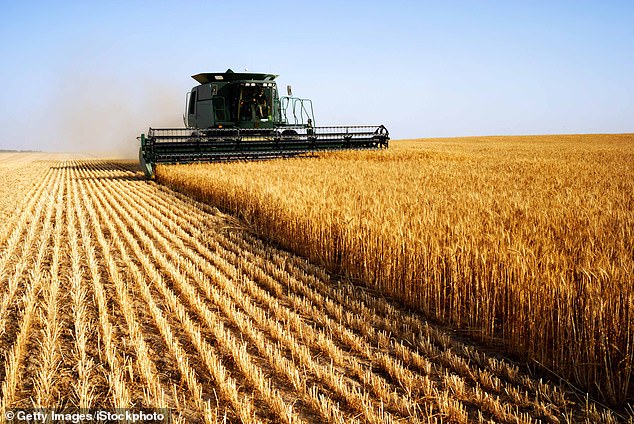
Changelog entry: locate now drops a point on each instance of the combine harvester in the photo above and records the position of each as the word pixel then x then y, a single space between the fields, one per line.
pixel 240 116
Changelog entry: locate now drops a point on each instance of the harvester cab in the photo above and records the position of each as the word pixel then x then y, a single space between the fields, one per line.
pixel 241 116
pixel 242 100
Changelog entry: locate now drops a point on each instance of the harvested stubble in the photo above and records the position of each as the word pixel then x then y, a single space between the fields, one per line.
pixel 527 240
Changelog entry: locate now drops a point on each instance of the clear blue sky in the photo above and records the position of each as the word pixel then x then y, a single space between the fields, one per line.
pixel 88 75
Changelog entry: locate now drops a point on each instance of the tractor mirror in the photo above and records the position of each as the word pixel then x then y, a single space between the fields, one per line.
pixel 214 89
pixel 289 90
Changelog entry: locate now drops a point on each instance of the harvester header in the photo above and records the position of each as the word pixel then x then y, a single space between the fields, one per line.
pixel 241 116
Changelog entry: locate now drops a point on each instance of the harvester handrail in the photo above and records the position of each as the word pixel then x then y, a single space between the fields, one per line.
pixel 291 101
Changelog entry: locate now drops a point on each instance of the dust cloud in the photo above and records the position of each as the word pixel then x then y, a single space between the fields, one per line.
pixel 103 115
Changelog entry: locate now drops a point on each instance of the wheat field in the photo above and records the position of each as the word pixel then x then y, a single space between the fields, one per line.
pixel 117 292
pixel 523 241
